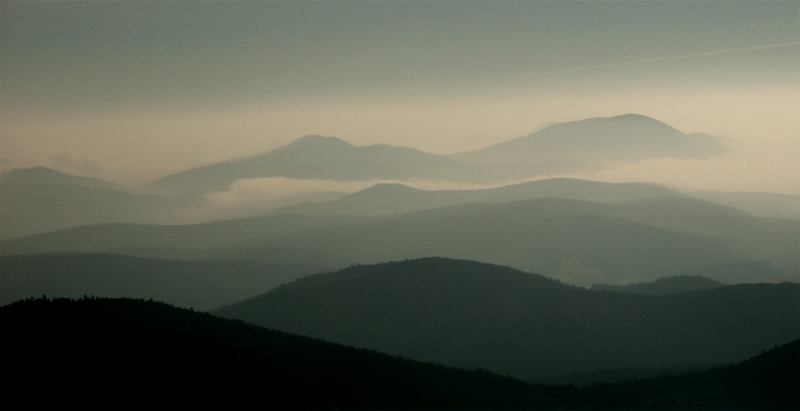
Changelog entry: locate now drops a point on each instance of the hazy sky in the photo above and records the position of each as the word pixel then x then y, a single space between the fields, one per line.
pixel 130 91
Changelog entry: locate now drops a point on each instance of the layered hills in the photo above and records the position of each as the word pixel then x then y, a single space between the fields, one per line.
pixel 387 199
pixel 40 200
pixel 494 279
pixel 181 242
pixel 770 240
pixel 560 238
pixel 469 314
pixel 576 241
pixel 150 352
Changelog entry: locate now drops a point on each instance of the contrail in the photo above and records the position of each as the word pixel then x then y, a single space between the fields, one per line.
pixel 623 63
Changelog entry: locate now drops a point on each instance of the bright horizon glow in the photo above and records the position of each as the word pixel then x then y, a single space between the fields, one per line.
pixel 133 91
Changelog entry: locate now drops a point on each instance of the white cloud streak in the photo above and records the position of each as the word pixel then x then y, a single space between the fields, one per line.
pixel 609 65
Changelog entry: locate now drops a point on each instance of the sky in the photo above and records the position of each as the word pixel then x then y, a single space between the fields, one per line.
pixel 130 91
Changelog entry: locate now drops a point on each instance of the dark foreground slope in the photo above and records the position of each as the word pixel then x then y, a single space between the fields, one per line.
pixel 93 351
pixel 469 314
pixel 770 380
pixel 135 351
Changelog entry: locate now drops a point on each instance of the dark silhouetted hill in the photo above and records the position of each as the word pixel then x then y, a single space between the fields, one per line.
pixel 770 380
pixel 146 353
pixel 468 314
pixel 90 351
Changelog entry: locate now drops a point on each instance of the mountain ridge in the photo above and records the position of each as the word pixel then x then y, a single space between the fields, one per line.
pixel 395 198
pixel 468 314
pixel 576 241
pixel 330 158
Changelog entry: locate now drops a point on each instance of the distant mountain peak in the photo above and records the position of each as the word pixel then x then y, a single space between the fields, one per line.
pixel 33 171
pixel 389 187
pixel 594 144
pixel 631 117
pixel 312 139
pixel 625 119
pixel 384 189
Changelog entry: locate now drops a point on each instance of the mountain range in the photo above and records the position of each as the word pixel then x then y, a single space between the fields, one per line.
pixel 387 199
pixel 576 241
pixel 329 158
pixel 557 280
pixel 38 199
pixel 578 146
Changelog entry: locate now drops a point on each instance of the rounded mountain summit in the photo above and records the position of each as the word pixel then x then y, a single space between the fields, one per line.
pixel 597 142
pixel 577 146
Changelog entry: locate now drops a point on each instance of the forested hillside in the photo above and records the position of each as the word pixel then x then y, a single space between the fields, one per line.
pixel 150 352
